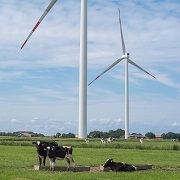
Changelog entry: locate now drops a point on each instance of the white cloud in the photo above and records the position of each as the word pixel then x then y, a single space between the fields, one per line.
pixel 35 119
pixel 175 124
pixel 166 79
pixel 16 121
pixel 119 120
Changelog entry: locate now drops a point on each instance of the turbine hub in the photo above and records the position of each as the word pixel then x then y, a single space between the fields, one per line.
pixel 125 56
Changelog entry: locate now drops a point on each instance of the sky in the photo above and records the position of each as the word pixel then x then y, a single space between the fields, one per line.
pixel 39 85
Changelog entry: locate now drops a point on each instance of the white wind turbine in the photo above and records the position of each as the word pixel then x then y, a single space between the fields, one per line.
pixel 83 64
pixel 125 56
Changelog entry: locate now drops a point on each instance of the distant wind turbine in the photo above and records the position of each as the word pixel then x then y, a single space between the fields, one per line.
pixel 125 56
pixel 83 64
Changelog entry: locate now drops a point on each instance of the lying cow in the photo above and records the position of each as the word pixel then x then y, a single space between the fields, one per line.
pixel 59 153
pixel 110 140
pixel 120 166
pixel 41 149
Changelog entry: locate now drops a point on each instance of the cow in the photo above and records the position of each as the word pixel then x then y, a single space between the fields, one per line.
pixel 41 150
pixel 119 166
pixel 141 140
pixel 60 153
pixel 110 140
pixel 102 141
pixel 87 140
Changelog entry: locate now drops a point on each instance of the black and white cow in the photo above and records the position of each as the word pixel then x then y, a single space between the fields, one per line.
pixel 59 153
pixel 42 149
pixel 87 140
pixel 110 140
pixel 102 141
pixel 141 140
pixel 119 166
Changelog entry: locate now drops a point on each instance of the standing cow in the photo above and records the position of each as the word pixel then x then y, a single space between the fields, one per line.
pixel 42 151
pixel 119 166
pixel 87 140
pixel 102 141
pixel 60 153
pixel 141 140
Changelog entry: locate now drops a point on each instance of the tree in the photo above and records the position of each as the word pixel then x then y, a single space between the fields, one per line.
pixel 105 135
pixel 96 134
pixel 69 135
pixel 171 135
pixel 150 135
pixel 117 133
pixel 58 135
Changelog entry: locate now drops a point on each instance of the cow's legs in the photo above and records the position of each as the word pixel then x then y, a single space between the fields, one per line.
pixel 73 164
pixel 44 161
pixel 40 161
pixel 68 163
pixel 52 164
pixel 70 160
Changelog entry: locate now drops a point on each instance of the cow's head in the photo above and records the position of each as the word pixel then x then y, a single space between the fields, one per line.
pixel 40 145
pixel 50 150
pixel 108 163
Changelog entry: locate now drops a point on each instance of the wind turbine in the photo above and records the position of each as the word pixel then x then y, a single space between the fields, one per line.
pixel 83 64
pixel 125 56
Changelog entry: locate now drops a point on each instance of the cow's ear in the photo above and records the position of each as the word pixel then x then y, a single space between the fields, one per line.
pixel 111 160
pixel 33 142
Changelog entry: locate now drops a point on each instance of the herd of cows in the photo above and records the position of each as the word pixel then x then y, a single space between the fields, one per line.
pixel 54 152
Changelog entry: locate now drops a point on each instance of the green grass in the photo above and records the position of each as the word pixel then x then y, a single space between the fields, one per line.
pixel 95 143
pixel 143 175
pixel 17 163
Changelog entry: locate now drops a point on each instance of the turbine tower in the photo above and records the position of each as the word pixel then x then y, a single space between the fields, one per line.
pixel 83 64
pixel 125 56
pixel 83 72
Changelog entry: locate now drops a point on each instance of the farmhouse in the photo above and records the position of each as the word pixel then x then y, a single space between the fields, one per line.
pixel 24 134
pixel 136 136
pixel 158 136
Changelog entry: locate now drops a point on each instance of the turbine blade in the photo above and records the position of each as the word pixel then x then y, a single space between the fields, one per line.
pixel 134 64
pixel 39 21
pixel 122 39
pixel 112 65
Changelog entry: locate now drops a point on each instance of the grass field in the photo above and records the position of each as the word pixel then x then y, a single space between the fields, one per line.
pixel 17 160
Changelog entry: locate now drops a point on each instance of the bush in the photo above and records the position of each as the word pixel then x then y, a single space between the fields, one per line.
pixel 175 147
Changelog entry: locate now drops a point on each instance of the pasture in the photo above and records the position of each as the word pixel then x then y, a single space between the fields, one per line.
pixel 18 157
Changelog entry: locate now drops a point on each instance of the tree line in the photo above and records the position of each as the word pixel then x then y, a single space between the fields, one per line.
pixel 21 134
pixel 171 135
pixel 114 134
pixel 119 133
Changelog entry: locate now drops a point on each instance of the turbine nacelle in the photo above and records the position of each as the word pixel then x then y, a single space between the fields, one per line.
pixel 125 56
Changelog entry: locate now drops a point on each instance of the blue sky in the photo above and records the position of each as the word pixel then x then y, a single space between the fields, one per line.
pixel 39 85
